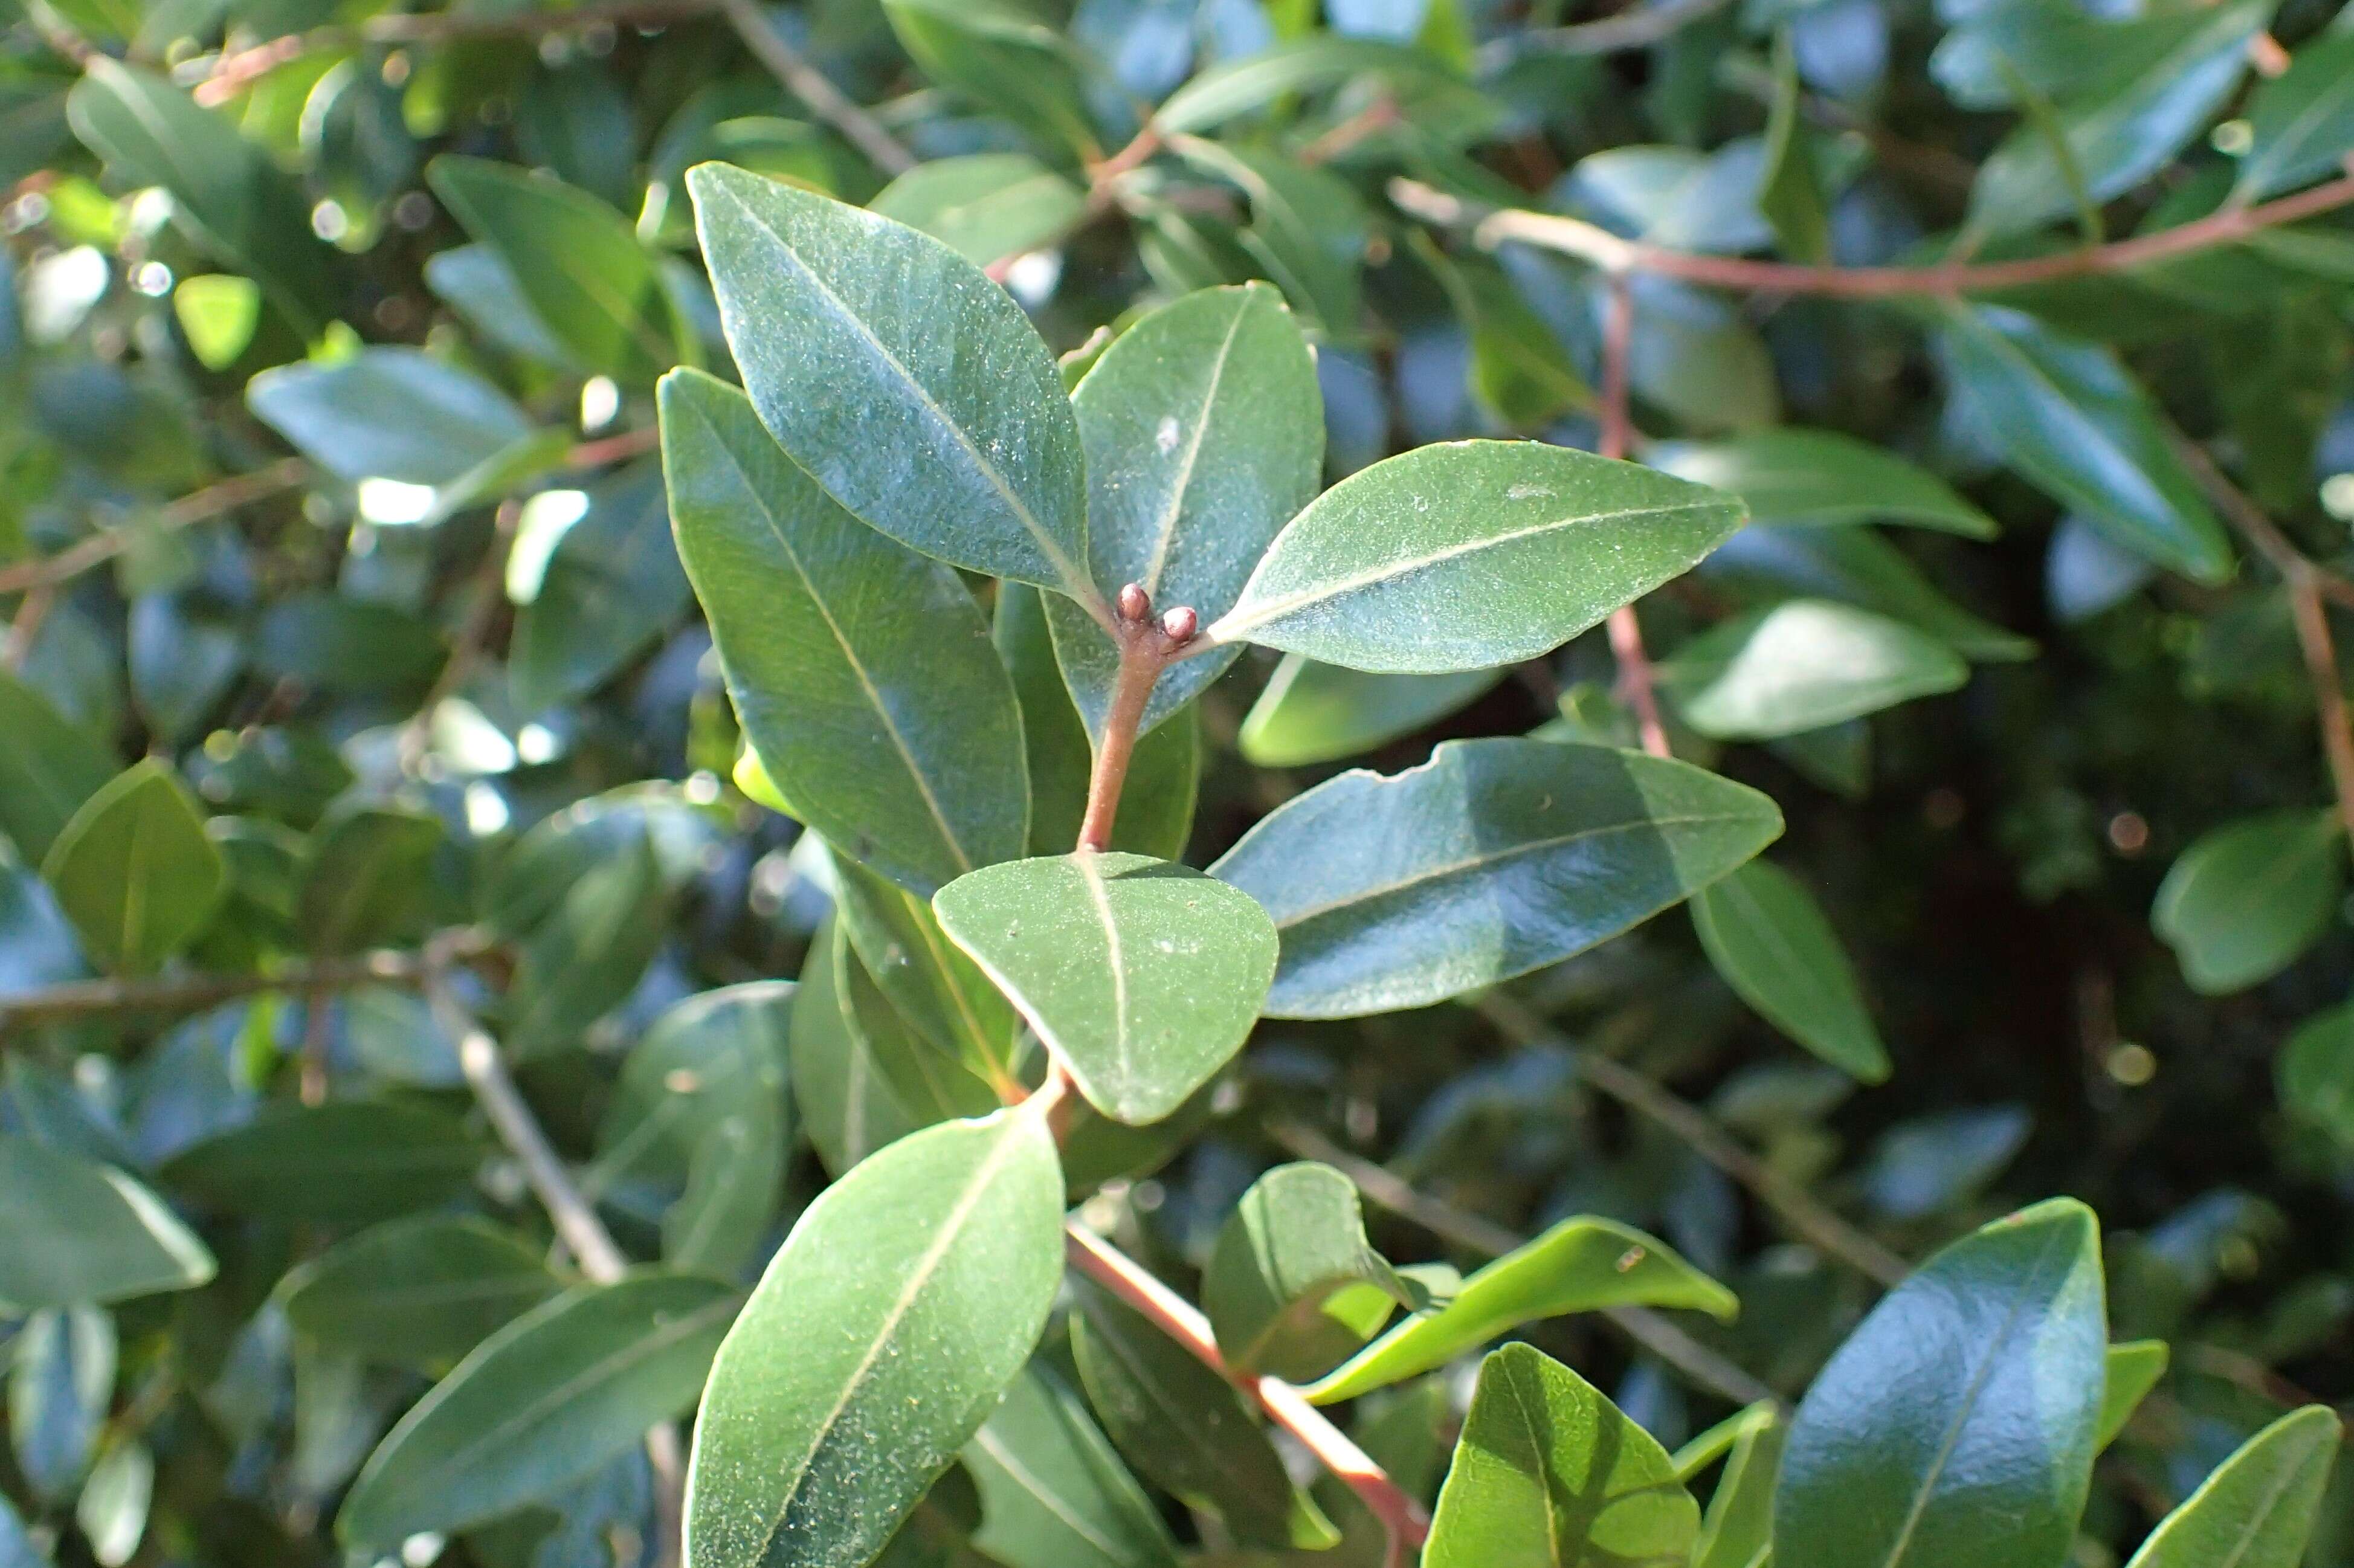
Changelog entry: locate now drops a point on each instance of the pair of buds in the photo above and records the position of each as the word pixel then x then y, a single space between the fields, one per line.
pixel 1133 608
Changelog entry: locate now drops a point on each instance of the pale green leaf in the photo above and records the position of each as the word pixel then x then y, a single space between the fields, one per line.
pixel 2259 1507
pixel 388 413
pixel 1794 478
pixel 2132 1369
pixel 1803 665
pixel 987 206
pixel 74 1231
pixel 133 870
pixel 2243 902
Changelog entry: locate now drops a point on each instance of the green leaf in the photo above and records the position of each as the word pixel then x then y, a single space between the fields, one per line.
pixel 1310 713
pixel 2131 1370
pixel 1677 198
pixel 2072 420
pixel 1739 1526
pixel 345 1159
pixel 846 1102
pixel 133 870
pixel 74 1231
pixel 1803 665
pixel 388 413
pixel 1494 858
pixel 928 1083
pixel 1188 1430
pixel 863 672
pixel 987 206
pixel 858 336
pixel 1304 65
pixel 1582 1265
pixel 46 771
pixel 1004 57
pixel 540 1405
pixel 111 1512
pixel 2258 1509
pixel 609 588
pixel 368 876
pixel 929 981
pixel 1295 1241
pixel 2316 1072
pixel 1958 1424
pixel 2301 123
pixel 1471 554
pixel 1764 566
pixel 2241 903
pixel 574 260
pixel 1792 478
pixel 1164 773
pixel 217 313
pixel 1204 434
pixel 1550 1474
pixel 1767 936
pixel 420 1291
pixel 703 1106
pixel 227 194
pixel 1309 231
pixel 907 1299
pixel 1791 192
pixel 1142 976
pixel 2121 130
pixel 1053 1492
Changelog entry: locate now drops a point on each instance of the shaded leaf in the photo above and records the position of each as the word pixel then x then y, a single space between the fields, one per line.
pixel 987 206
pixel 1296 1240
pixel 1053 1492
pixel 134 871
pixel 73 1231
pixel 1310 713
pixel 2300 123
pixel 418 1291
pixel 1769 939
pixel 2243 902
pixel 2132 1369
pixel 47 769
pixel 368 877
pixel 1794 478
pixel 345 1159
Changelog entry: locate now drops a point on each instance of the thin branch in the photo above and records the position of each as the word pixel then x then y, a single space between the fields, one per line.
pixel 194 992
pixel 1573 236
pixel 806 82
pixel 1475 1234
pixel 195 507
pixel 1798 1208
pixel 1637 27
pixel 1637 681
pixel 2328 689
pixel 26 630
pixel 2241 512
pixel 1400 1513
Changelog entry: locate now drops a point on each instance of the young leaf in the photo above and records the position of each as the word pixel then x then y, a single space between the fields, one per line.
pixel 907 1299
pixel 1792 478
pixel 1803 665
pixel 1958 1424
pixel 74 1231
pixel 860 337
pixel 2300 123
pixel 1053 1492
pixel 420 1291
pixel 46 771
pixel 2073 421
pixel 1142 976
pixel 2248 897
pixel 1771 941
pixel 1311 712
pixel 542 1404
pixel 863 672
pixel 345 1159
pixel 133 870
pixel 2257 1509
pixel 1295 1241
pixel 576 262
pixel 1204 434
pixel 2131 1370
pixel 1188 1430
pixel 1739 1526
pixel 1494 858
pixel 1471 554
pixel 1550 1474
pixel 1581 1265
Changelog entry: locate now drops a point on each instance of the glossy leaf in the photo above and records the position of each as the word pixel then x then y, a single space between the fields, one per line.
pixel 1204 434
pixel 420 1291
pixel 987 206
pixel 1310 713
pixel 74 1231
pixel 1801 666
pixel 1770 940
pixel 1142 976
pixel 1295 1241
pixel 1958 1424
pixel 345 1159
pixel 2132 1369
pixel 1793 478
pixel 863 672
pixel 2300 123
pixel 1188 1430
pixel 1494 858
pixel 860 337
pixel 47 769
pixel 543 1403
pixel 388 413
pixel 133 870
pixel 907 1299
pixel 1053 1494
pixel 1550 1474
pixel 2259 1507
pixel 594 287
pixel 2243 901
pixel 1582 1265
pixel 1470 554
pixel 2073 421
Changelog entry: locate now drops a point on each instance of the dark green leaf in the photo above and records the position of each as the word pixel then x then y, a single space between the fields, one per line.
pixel 421 1291
pixel 1774 945
pixel 2247 898
pixel 2317 1072
pixel 611 588
pixel 46 771
pixel 1857 567
pixel 1495 858
pixel 2301 123
pixel 1309 230
pixel 74 1231
pixel 1053 1492
pixel 346 1159
pixel 843 1098
pixel 929 981
pixel 1004 57
pixel 1791 192
pixel 1304 65
pixel 368 879
pixel 1311 713
pixel 134 871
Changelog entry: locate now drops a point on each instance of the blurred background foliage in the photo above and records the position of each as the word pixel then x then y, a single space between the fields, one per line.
pixel 327 344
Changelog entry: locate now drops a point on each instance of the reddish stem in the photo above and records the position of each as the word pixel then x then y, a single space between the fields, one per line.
pixel 1635 677
pixel 1146 648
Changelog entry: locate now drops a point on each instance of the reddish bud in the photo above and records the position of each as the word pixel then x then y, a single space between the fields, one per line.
pixel 1180 624
pixel 1134 603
